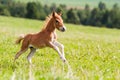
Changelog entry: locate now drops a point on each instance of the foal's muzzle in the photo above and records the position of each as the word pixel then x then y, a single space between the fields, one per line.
pixel 63 29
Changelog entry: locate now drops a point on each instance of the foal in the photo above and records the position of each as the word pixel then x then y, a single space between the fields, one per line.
pixel 45 38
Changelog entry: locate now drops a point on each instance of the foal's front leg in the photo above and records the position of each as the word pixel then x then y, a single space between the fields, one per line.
pixel 52 45
pixel 61 48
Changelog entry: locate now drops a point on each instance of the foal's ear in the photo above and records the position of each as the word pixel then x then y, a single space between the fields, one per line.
pixel 53 14
pixel 59 13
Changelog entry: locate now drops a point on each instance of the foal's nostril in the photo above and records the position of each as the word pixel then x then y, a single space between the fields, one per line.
pixel 63 29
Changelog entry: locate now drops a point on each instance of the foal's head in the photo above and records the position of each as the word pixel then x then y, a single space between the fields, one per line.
pixel 58 22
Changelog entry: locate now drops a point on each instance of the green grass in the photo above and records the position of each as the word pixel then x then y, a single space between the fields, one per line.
pixel 76 3
pixel 92 53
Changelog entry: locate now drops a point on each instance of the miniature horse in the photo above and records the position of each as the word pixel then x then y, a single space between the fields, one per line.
pixel 45 38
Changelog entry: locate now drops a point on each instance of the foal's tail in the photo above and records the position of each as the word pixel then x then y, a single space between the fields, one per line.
pixel 21 37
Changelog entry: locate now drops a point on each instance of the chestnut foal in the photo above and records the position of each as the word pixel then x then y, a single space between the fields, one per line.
pixel 45 38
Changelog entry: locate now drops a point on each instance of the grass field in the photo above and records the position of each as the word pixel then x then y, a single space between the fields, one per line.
pixel 92 53
pixel 76 3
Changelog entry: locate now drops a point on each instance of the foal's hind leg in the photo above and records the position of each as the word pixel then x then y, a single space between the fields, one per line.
pixel 19 53
pixel 23 49
pixel 32 51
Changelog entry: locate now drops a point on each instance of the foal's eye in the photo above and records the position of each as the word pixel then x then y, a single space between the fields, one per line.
pixel 57 22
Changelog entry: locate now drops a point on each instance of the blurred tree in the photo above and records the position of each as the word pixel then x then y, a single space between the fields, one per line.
pixel 53 7
pixel 72 17
pixel 87 13
pixel 62 9
pixel 87 7
pixel 116 9
pixel 114 17
pixel 105 17
pixel 6 2
pixel 32 11
pixel 95 18
pixel 46 9
pixel 41 12
pixel 4 11
pixel 102 6
pixel 100 16
pixel 19 9
pixel 84 15
pixel 115 6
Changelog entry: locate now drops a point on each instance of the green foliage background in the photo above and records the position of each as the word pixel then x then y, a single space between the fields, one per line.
pixel 98 16
pixel 75 3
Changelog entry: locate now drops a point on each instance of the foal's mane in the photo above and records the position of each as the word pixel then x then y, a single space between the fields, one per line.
pixel 48 18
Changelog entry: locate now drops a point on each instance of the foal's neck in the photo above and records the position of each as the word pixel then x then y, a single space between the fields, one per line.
pixel 50 27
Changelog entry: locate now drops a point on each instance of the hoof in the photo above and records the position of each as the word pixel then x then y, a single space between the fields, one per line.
pixel 63 59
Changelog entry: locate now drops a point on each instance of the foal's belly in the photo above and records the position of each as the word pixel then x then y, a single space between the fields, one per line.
pixel 37 46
